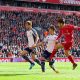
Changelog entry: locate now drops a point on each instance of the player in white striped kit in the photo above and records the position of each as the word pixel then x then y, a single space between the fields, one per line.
pixel 31 38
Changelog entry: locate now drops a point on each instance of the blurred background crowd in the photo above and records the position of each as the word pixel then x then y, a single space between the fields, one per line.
pixel 12 38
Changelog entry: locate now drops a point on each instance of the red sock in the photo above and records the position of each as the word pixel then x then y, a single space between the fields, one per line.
pixel 71 59
pixel 53 53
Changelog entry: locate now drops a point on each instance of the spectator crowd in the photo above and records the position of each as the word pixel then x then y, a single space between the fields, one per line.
pixel 12 30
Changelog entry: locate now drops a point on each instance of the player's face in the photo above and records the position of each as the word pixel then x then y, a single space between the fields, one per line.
pixel 51 31
pixel 27 26
pixel 60 25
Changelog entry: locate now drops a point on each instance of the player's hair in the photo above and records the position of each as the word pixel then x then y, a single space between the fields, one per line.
pixel 52 27
pixel 60 20
pixel 28 22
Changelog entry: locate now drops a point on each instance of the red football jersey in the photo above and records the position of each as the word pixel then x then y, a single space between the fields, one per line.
pixel 67 32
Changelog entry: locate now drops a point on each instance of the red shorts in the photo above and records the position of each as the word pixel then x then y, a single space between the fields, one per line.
pixel 67 45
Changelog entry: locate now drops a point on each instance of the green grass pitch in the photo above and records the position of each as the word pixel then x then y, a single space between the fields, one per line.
pixel 20 71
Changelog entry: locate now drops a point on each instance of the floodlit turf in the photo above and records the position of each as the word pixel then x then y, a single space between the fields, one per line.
pixel 20 71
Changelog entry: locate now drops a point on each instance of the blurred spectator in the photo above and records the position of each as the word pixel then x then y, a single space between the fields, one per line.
pixel 12 31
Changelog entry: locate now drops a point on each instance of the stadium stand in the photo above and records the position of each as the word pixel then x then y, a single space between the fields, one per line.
pixel 12 22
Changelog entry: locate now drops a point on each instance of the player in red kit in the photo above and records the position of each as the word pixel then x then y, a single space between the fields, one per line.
pixel 66 31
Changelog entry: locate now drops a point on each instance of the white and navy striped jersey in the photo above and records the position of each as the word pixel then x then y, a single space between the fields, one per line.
pixel 31 35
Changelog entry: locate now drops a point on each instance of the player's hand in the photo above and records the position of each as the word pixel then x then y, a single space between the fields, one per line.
pixel 33 46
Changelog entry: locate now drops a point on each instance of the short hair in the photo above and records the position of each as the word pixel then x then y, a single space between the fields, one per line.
pixel 60 20
pixel 52 27
pixel 29 22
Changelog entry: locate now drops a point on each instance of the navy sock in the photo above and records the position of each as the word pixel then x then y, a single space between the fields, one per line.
pixel 27 59
pixel 43 66
pixel 37 61
pixel 51 64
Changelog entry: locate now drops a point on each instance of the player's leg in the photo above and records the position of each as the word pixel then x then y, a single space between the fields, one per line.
pixel 67 53
pixel 39 62
pixel 67 47
pixel 52 66
pixel 23 54
pixel 57 46
pixel 36 59
pixel 43 65
pixel 46 56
